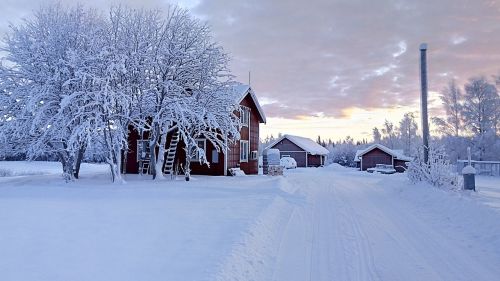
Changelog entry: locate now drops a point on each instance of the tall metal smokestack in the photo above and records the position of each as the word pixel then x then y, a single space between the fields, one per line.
pixel 423 97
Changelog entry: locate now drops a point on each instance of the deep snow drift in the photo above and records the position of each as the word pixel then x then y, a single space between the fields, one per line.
pixel 312 224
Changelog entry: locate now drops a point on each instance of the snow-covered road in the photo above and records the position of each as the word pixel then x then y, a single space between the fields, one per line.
pixel 328 223
pixel 341 224
pixel 359 227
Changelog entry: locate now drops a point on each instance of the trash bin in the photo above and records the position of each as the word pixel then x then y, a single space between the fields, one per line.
pixel 469 174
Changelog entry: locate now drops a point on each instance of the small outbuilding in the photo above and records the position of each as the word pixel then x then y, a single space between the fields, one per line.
pixel 306 152
pixel 380 154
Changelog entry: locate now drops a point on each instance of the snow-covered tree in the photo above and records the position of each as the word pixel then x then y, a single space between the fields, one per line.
pixel 343 152
pixel 438 172
pixel 390 135
pixel 263 143
pixel 480 109
pixel 186 75
pixel 408 133
pixel 178 76
pixel 42 53
pixel 497 116
pixel 377 137
pixel 77 78
pixel 213 118
pixel 452 101
pixel 450 129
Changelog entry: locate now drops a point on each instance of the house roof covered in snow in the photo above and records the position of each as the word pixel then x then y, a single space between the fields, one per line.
pixel 240 91
pixel 396 153
pixel 305 143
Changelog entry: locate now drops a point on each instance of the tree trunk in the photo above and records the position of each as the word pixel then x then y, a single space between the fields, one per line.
pixel 117 164
pixel 152 149
pixel 79 158
pixel 114 156
pixel 67 165
pixel 161 156
pixel 187 168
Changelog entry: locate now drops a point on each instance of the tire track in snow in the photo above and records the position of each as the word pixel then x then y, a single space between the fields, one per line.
pixel 350 228
pixel 338 247
pixel 409 247
pixel 364 264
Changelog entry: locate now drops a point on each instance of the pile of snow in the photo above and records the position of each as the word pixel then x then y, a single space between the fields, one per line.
pixel 336 167
pixel 468 170
pixel 30 168
pixel 237 172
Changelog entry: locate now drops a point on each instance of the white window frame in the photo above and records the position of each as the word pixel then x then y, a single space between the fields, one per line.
pixel 245 116
pixel 244 159
pixel 215 156
pixel 196 157
pixel 254 155
pixel 139 150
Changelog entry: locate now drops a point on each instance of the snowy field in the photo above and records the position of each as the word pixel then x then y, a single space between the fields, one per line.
pixel 328 223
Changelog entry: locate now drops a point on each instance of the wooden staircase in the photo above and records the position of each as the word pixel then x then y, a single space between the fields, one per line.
pixel 144 169
pixel 144 163
pixel 168 167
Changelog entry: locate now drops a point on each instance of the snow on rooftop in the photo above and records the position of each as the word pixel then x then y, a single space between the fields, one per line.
pixel 396 153
pixel 305 143
pixel 358 152
pixel 239 91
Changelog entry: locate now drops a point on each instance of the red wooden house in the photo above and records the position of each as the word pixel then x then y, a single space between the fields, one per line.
pixel 243 153
pixel 379 154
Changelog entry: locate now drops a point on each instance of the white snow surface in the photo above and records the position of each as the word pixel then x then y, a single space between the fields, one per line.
pixel 468 170
pixel 27 168
pixel 329 223
pixel 305 143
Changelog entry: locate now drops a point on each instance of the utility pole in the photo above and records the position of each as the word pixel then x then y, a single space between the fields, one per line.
pixel 423 98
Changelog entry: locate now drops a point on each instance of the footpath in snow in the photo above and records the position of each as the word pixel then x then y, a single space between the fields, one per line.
pixel 312 224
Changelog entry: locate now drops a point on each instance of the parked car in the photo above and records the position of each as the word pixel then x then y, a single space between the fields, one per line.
pixel 382 168
pixel 288 162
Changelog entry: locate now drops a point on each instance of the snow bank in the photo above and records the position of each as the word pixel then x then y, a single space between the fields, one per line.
pixel 30 168
pixel 461 212
pixel 26 168
pixel 254 256
pixel 337 167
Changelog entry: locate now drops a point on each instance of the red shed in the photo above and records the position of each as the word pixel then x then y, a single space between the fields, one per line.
pixel 379 154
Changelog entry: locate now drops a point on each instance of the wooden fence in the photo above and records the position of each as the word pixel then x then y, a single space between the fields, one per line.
pixel 490 168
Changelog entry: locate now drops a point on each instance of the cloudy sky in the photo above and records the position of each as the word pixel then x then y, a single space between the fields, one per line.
pixel 340 67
